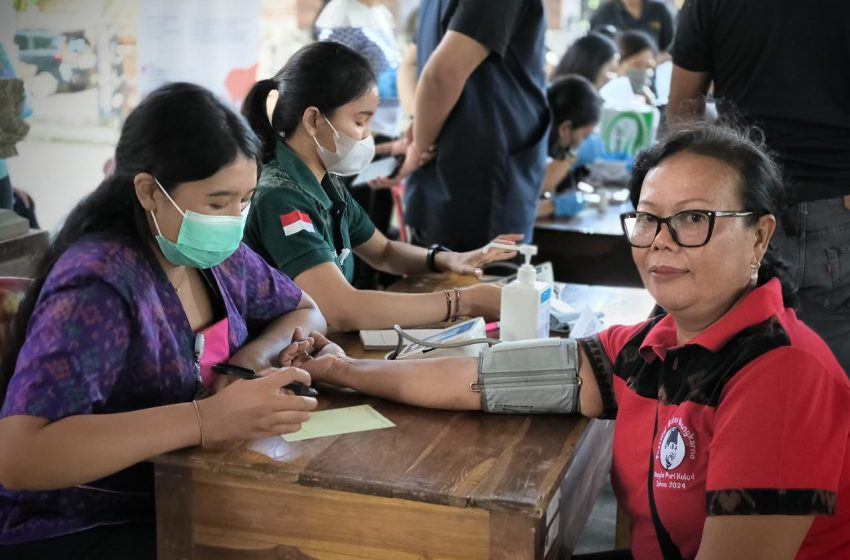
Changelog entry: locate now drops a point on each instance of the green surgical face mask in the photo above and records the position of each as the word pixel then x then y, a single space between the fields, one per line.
pixel 203 241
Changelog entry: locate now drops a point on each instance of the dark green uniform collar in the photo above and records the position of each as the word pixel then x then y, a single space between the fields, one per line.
pixel 289 162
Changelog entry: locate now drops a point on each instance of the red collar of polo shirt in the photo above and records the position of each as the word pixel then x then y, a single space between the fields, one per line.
pixel 759 305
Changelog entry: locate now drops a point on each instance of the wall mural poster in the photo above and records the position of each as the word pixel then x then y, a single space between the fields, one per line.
pixel 218 42
pixel 76 58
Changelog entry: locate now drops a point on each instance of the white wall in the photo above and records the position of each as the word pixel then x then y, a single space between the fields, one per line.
pixel 57 175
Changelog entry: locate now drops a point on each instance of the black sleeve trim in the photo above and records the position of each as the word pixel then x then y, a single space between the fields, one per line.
pixel 603 371
pixel 758 501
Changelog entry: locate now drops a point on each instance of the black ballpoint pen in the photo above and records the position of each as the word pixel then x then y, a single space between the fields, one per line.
pixel 244 373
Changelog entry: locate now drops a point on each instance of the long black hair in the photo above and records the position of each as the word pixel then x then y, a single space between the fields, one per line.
pixel 586 56
pixel 178 133
pixel 325 75
pixel 760 181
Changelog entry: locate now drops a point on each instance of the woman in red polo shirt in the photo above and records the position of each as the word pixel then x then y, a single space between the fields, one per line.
pixel 733 438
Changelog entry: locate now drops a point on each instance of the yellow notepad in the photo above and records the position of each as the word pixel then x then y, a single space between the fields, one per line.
pixel 340 421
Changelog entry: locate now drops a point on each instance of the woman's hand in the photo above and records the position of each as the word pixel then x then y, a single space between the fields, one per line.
pixel 321 347
pixel 414 158
pixel 298 350
pixel 484 300
pixel 470 262
pixel 324 347
pixel 302 350
pixel 256 408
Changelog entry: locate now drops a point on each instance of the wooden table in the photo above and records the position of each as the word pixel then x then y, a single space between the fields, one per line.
pixel 588 248
pixel 438 485
pixel 20 255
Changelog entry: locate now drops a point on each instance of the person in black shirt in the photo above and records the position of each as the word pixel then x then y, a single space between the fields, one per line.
pixel 784 67
pixel 481 98
pixel 650 16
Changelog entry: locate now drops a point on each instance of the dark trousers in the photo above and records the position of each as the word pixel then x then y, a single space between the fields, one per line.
pixel 131 541
pixel 6 193
pixel 815 242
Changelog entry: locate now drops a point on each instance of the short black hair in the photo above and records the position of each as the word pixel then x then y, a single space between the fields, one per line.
pixel 574 98
pixel 760 183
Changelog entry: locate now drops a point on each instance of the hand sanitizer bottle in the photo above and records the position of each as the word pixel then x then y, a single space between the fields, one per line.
pixel 525 301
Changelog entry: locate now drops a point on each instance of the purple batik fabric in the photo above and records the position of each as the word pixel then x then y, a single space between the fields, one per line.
pixel 109 335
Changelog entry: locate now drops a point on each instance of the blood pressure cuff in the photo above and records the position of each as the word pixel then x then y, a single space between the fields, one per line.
pixel 529 376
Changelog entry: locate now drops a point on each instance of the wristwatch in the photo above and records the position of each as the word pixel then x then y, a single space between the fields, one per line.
pixel 431 255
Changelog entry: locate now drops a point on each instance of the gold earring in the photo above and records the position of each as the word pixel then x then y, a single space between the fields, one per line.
pixel 754 271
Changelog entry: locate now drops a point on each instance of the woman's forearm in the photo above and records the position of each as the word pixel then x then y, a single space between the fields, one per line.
pixel 442 383
pixel 369 309
pixel 400 259
pixel 407 79
pixel 37 455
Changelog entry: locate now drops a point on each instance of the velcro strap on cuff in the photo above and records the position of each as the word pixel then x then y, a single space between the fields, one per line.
pixel 530 376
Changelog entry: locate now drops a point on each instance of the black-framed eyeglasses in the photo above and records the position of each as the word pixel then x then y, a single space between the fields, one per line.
pixel 688 228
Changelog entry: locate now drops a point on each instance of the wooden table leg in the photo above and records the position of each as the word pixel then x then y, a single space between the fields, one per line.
pixel 578 490
pixel 514 537
pixel 622 534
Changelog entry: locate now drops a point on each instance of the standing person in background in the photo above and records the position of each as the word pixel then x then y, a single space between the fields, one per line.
pixel 650 16
pixel 481 101
pixel 368 28
pixel 784 66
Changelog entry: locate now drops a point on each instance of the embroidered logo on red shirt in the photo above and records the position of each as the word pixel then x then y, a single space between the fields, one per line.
pixel 675 453
pixel 672 451
pixel 296 221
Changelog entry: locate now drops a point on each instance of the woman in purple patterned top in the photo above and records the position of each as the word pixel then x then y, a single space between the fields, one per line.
pixel 108 362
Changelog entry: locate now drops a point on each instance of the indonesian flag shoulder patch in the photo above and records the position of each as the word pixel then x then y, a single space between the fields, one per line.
pixel 296 221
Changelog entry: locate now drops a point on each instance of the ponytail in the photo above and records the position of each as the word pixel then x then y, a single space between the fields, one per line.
pixel 254 110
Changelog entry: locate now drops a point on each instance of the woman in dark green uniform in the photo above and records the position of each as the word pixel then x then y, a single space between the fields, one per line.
pixel 304 221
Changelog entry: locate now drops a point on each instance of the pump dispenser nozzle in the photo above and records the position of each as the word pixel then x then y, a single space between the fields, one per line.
pixel 526 273
pixel 528 251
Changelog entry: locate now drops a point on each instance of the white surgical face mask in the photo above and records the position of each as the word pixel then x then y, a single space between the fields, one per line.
pixel 351 156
